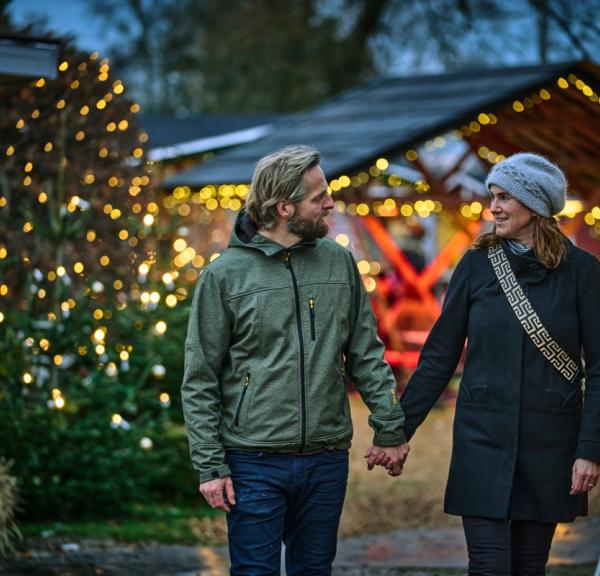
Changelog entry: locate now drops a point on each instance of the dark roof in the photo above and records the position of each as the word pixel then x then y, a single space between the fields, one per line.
pixel 166 131
pixel 26 57
pixel 383 117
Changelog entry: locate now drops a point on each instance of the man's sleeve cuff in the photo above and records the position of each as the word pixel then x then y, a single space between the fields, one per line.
pixel 215 473
pixel 383 439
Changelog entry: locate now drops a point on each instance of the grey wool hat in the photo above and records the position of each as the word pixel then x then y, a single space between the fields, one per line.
pixel 533 180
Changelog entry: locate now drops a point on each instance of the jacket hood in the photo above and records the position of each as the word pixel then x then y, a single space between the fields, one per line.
pixel 245 235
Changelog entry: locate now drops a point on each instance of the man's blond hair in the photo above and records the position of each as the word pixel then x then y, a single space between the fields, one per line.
pixel 279 176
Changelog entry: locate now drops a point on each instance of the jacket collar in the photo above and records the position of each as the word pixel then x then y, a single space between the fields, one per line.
pixel 526 266
pixel 244 235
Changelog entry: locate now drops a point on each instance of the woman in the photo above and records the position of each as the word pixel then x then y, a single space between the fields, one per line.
pixel 526 443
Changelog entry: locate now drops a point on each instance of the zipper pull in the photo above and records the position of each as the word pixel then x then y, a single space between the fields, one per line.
pixel 311 304
pixel 247 381
pixel 287 256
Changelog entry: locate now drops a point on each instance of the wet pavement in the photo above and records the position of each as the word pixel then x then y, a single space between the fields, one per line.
pixel 418 552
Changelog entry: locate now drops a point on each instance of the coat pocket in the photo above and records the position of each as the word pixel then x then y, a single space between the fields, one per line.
pixel 559 400
pixel 238 410
pixel 477 394
pixel 311 310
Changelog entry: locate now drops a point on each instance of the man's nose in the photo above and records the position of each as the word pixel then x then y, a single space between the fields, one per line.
pixel 328 203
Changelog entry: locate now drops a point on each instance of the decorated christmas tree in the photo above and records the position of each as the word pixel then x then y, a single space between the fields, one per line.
pixel 88 370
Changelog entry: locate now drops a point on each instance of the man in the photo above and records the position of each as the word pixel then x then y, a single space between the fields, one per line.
pixel 277 322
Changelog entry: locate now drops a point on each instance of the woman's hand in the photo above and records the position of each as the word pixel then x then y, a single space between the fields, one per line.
pixel 585 476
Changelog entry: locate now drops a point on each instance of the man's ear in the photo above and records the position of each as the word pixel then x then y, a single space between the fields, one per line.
pixel 284 209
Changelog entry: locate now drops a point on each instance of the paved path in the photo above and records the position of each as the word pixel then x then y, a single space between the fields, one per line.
pixel 416 552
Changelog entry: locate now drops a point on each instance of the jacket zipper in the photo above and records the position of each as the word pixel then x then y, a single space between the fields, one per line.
pixel 288 265
pixel 236 420
pixel 311 306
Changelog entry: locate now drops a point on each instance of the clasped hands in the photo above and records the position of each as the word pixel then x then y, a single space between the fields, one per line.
pixel 392 458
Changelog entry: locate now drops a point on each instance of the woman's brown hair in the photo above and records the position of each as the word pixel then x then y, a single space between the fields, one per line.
pixel 549 243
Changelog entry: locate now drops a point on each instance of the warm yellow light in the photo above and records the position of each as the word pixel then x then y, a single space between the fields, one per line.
pixel 165 398
pixel 135 108
pixel 40 83
pixel 342 239
pixel 517 106
pixel 382 164
pixel 57 359
pixel 98 335
pixel 572 208
pixel 411 155
pixel 562 83
pixel 3 290
pixel 80 136
pixel 10 150
pixel 160 327
pixel 123 125
pixel 44 344
pixel 117 419
pixel 59 402
pixel 27 378
pixel 101 104
pixel 171 300
pixel 406 210
pixel 27 227
pixel 123 234
pixel 148 220
pixel 362 209
pixel 105 260
pixel 90 236
pixel 363 267
pixel 3 252
pixel 369 283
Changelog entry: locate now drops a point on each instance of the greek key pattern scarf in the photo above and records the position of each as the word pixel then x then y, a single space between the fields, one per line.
pixel 528 317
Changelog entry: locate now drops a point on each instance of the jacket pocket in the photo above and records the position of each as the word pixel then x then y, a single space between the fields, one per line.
pixel 558 400
pixel 311 309
pixel 478 394
pixel 236 420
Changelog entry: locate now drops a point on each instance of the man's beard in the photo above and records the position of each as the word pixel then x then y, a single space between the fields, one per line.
pixel 305 228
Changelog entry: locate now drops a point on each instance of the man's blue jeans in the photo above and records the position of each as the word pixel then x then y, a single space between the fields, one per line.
pixel 285 498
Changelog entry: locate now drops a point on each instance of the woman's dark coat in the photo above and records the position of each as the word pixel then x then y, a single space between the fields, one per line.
pixel 519 424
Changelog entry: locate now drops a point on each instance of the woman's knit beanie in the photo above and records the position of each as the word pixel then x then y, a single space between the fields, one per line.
pixel 533 180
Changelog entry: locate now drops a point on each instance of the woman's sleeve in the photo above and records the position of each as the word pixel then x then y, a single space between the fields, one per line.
pixel 588 304
pixel 441 351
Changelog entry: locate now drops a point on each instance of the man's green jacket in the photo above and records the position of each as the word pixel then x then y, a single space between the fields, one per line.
pixel 273 336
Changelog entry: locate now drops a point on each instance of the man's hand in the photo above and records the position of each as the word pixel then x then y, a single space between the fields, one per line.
pixel 391 457
pixel 219 493
pixel 585 476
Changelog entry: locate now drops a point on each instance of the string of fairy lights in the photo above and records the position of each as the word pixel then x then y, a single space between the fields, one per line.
pixel 231 197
